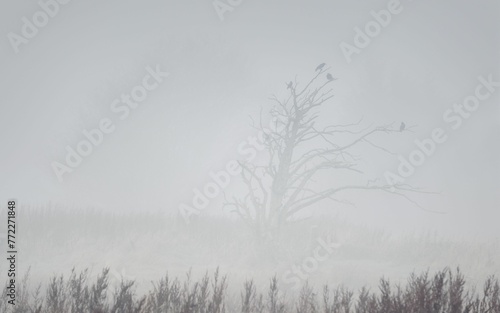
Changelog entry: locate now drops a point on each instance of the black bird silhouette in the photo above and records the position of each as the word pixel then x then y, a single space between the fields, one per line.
pixel 289 85
pixel 320 67
pixel 330 77
pixel 402 127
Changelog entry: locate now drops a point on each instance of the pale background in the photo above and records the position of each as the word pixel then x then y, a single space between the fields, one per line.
pixel 221 72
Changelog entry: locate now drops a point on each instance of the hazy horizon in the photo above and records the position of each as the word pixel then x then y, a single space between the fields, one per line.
pixel 221 73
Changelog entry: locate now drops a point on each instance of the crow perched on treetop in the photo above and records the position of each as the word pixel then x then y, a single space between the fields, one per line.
pixel 402 127
pixel 289 85
pixel 320 67
pixel 330 77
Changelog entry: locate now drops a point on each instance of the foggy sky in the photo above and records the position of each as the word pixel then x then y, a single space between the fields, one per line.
pixel 221 72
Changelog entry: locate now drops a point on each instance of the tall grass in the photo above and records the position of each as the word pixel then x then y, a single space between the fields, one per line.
pixel 443 292
pixel 55 238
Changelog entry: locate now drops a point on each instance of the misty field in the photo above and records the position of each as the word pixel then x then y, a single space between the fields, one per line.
pixel 442 292
pixel 83 260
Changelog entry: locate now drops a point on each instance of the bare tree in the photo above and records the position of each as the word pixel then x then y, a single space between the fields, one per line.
pixel 298 151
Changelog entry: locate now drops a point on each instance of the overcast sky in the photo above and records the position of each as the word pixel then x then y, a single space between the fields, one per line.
pixel 221 72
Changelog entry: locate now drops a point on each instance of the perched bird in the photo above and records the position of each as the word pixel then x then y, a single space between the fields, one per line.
pixel 289 85
pixel 330 77
pixel 402 127
pixel 320 67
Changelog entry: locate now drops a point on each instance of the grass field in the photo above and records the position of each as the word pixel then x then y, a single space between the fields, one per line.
pixel 145 247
